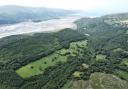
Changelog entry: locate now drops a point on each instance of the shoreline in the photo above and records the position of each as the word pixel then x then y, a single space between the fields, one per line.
pixel 52 25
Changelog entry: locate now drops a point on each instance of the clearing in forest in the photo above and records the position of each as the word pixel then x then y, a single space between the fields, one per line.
pixel 37 67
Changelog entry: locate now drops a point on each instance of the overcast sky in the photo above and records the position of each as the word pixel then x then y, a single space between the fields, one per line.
pixel 87 5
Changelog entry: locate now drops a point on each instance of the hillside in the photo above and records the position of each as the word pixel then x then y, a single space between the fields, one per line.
pixel 98 81
pixel 108 44
pixel 47 50
pixel 14 14
pixel 95 56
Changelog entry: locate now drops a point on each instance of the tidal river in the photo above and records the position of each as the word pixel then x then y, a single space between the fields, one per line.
pixel 34 27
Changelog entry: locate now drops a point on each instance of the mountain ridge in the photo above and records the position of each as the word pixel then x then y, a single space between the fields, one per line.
pixel 11 14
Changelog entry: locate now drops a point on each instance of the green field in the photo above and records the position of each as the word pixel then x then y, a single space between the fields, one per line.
pixel 37 67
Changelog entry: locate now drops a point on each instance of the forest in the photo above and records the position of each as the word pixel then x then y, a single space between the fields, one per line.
pixel 105 51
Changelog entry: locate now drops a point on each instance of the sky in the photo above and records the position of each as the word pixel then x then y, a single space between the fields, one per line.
pixel 86 5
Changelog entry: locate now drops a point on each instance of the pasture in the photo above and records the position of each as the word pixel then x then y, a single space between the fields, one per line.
pixel 37 67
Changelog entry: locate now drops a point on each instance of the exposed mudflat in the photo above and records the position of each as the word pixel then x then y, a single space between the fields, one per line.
pixel 33 27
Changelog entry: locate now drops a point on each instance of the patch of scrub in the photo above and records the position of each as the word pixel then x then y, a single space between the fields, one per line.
pixel 85 66
pixel 118 49
pixel 127 32
pixel 107 81
pixel 37 67
pixel 95 81
pixel 122 74
pixel 68 85
pixel 100 57
pixel 74 49
pixel 98 81
pixel 77 74
pixel 125 62
pixel 125 21
pixel 79 84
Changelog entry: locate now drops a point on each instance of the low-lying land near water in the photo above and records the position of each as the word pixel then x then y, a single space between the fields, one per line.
pixel 34 27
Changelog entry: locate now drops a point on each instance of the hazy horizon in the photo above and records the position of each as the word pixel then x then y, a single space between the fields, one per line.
pixel 90 6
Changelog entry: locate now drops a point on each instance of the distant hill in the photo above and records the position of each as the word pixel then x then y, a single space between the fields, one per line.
pixel 13 14
pixel 121 16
